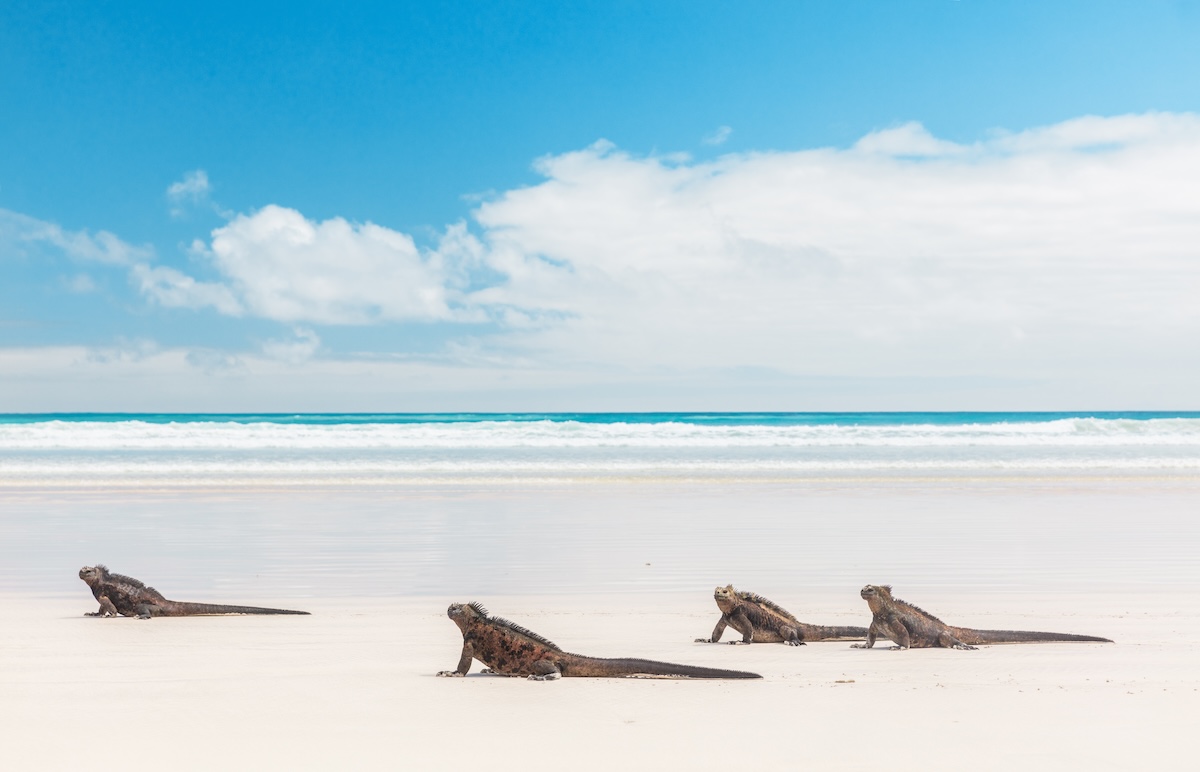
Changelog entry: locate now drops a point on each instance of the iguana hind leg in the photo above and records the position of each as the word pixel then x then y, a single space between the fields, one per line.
pixel 147 610
pixel 791 636
pixel 948 641
pixel 545 670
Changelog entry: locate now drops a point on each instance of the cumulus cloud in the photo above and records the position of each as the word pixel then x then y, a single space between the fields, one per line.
pixel 1024 253
pixel 279 265
pixel 900 254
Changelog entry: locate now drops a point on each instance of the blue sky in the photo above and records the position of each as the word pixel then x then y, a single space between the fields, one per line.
pixel 701 205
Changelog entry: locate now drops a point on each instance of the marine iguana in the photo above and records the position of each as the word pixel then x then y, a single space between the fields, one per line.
pixel 511 650
pixel 126 596
pixel 761 621
pixel 911 627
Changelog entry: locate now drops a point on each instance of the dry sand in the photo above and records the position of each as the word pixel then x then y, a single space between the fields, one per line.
pixel 353 687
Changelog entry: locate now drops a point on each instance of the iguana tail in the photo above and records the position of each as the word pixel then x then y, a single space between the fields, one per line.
pixel 178 608
pixel 594 667
pixel 834 633
pixel 975 637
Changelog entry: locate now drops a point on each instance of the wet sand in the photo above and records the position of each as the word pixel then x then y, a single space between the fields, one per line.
pixel 520 537
pixel 353 687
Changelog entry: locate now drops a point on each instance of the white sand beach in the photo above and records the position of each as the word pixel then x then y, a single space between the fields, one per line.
pixel 353 685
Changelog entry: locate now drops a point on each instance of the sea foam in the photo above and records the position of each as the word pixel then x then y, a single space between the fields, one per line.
pixel 197 448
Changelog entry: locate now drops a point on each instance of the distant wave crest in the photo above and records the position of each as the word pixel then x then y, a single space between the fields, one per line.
pixel 141 435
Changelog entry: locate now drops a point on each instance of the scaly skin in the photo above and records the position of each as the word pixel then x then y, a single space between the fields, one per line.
pixel 910 627
pixel 761 621
pixel 125 596
pixel 510 650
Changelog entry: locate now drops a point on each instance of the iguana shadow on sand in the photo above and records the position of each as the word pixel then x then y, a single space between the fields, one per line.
pixel 125 596
pixel 510 650
pixel 761 621
pixel 910 627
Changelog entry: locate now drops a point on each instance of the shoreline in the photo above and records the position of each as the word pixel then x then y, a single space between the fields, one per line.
pixel 102 483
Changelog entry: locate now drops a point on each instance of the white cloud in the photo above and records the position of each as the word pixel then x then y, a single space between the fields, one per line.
pixel 1035 251
pixel 193 187
pixel 172 288
pixel 296 350
pixel 213 362
pixel 909 139
pixel 19 231
pixel 719 136
pixel 142 377
pixel 193 190
pixel 280 265
pixel 1049 253
pixel 1091 132
pixel 124 352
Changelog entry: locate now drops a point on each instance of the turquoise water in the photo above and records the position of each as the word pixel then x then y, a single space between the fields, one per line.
pixel 397 448
pixel 699 419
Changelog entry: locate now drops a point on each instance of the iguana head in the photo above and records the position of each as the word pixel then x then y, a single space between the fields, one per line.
pixel 93 574
pixel 726 597
pixel 878 591
pixel 461 614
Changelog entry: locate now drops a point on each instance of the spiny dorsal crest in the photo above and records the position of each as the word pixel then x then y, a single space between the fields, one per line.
pixel 516 628
pixel 479 609
pixel 107 576
pixel 905 603
pixel 755 598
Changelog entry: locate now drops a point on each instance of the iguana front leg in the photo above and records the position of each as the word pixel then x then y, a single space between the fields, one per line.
pixel 107 609
pixel 900 635
pixel 872 634
pixel 464 662
pixel 718 631
pixel 743 623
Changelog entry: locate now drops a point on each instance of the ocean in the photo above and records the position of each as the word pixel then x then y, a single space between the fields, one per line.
pixel 471 505
pixel 297 449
